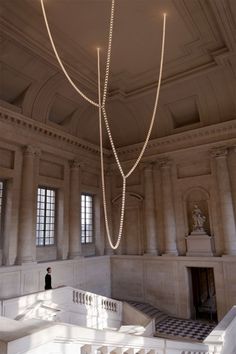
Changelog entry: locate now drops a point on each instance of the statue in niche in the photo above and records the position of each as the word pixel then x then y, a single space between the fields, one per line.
pixel 198 219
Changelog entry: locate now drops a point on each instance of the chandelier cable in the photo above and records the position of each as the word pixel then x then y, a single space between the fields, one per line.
pixel 153 114
pixel 60 62
pixel 102 171
pixel 102 113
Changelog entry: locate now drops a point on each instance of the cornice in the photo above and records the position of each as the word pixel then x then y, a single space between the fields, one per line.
pixel 18 120
pixel 209 135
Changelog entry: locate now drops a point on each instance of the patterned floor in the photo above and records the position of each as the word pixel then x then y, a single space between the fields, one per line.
pixel 175 328
pixel 184 329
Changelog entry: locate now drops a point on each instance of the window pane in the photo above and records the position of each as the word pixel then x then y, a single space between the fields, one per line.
pixel 45 216
pixel 86 218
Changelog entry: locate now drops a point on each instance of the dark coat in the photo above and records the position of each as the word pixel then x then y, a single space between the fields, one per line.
pixel 48 282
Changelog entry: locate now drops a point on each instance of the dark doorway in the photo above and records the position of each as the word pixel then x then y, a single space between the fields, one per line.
pixel 204 295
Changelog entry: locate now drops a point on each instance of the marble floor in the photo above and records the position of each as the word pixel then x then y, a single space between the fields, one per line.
pixel 175 328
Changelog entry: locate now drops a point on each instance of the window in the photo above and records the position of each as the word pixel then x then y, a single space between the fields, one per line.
pixel 86 218
pixel 45 228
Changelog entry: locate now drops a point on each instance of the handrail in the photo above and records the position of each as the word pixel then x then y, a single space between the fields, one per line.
pixel 26 338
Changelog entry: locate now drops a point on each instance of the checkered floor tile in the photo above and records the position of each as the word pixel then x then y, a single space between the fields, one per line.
pixel 186 329
pixel 175 328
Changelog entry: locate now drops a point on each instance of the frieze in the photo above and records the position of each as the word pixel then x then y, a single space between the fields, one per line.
pixel 38 127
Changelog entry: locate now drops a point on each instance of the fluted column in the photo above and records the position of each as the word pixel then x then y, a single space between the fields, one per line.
pixel 226 201
pixel 108 178
pixel 168 208
pixel 74 225
pixel 149 210
pixel 27 238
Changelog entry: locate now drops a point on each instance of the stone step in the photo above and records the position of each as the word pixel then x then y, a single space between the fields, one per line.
pixel 175 328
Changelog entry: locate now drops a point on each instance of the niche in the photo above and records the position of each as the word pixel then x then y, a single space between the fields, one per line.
pixel 199 241
pixel 200 198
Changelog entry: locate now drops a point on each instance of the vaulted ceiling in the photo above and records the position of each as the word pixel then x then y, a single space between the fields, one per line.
pixel 199 82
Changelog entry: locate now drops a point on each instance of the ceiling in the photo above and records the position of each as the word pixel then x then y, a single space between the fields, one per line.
pixel 199 82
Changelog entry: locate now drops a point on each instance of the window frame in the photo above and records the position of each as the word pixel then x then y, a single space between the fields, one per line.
pixel 46 188
pixel 86 242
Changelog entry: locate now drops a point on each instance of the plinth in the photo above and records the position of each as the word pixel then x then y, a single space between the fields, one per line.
pixel 199 244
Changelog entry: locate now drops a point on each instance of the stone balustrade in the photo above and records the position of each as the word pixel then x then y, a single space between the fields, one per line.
pixel 63 338
pixel 70 338
pixel 73 306
pixel 81 297
pixel 100 302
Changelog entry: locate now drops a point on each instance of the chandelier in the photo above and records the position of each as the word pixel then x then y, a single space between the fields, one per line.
pixel 101 105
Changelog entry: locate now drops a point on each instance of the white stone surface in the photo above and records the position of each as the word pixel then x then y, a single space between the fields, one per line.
pixel 34 338
pixel 92 274
pixel 164 282
pixel 199 245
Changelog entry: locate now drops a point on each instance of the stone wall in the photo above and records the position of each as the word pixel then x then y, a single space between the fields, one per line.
pixel 90 274
pixel 165 281
pixel 32 155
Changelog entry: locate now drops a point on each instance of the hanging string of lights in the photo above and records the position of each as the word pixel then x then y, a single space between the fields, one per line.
pixel 102 113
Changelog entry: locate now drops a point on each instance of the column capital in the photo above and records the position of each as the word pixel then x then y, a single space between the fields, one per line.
pixel 164 162
pixel 219 152
pixel 74 164
pixel 147 166
pixel 31 150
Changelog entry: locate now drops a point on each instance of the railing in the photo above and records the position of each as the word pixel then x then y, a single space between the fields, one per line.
pixel 223 335
pixel 69 339
pixel 82 298
pixel 85 298
pixel 73 306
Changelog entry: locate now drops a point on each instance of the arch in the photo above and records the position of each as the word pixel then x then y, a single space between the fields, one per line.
pixel 132 239
pixel 137 197
pixel 45 96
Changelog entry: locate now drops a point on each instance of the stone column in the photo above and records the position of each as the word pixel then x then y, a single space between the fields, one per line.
pixel 27 214
pixel 168 208
pixel 75 214
pixel 108 184
pixel 149 210
pixel 226 201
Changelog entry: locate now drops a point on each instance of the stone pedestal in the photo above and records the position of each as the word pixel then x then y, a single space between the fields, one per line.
pixel 199 244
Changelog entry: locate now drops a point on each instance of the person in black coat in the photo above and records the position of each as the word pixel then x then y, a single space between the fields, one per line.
pixel 48 279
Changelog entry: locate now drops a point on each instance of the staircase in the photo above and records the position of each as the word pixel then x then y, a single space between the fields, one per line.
pixel 175 328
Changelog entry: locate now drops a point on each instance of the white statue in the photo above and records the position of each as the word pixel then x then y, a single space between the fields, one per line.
pixel 198 219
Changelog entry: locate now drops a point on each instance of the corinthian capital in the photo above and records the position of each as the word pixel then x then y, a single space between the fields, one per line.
pixel 219 152
pixel 31 150
pixel 75 164
pixel 164 162
pixel 146 166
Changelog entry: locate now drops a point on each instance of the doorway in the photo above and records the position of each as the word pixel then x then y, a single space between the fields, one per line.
pixel 203 294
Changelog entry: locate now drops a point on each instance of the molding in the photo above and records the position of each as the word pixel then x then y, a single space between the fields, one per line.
pixel 20 121
pixel 137 88
pixel 219 152
pixel 217 133
pixel 36 47
pixel 171 80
